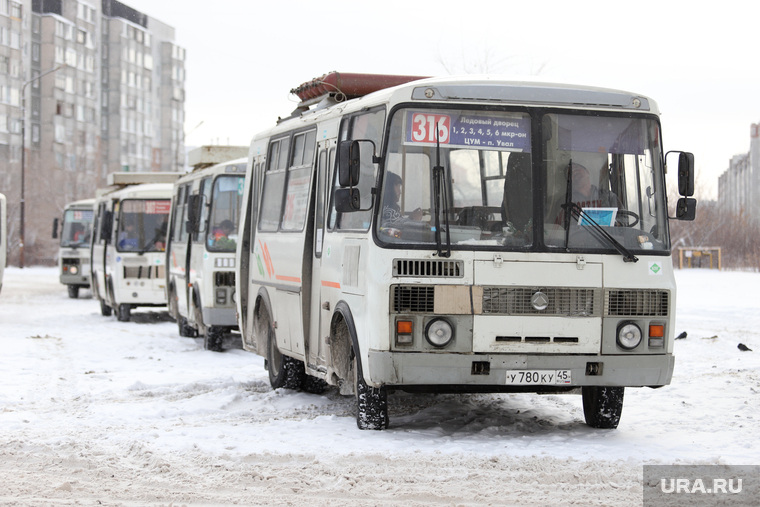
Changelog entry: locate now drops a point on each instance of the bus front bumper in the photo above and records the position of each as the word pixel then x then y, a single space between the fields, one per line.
pixel 505 371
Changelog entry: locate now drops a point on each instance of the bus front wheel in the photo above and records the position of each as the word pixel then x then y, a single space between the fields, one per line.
pixel 213 338
pixel 284 371
pixel 602 406
pixel 371 402
pixel 123 312
pixel 105 310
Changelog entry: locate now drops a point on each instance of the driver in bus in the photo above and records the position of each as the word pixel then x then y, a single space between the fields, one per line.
pixel 128 237
pixel 586 194
pixel 391 197
pixel 220 236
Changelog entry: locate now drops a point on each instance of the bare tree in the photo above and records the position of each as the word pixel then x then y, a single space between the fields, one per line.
pixel 737 235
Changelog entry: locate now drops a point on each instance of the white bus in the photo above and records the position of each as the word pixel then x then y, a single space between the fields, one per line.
pixel 128 250
pixel 74 248
pixel 3 238
pixel 200 252
pixel 461 235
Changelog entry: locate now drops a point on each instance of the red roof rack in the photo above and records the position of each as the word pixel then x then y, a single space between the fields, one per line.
pixel 348 85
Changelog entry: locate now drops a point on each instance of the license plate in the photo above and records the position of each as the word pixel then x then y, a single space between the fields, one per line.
pixel 539 377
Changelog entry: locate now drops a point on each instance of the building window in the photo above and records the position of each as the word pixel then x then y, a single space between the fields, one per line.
pixel 15 10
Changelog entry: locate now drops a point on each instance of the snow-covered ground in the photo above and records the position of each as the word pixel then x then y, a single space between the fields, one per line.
pixel 98 412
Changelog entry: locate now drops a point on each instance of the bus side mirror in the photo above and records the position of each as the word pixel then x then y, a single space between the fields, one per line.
pixel 686 208
pixel 55 228
pixel 686 174
pixel 193 213
pixel 106 225
pixel 347 200
pixel 349 161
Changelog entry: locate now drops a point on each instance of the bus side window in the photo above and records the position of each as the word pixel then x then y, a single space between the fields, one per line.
pixel 179 213
pixel 205 192
pixel 367 125
pixel 298 182
pixel 273 191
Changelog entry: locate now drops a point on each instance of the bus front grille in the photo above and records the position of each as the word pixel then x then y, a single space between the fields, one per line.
pixel 144 272
pixel 428 268
pixel 562 301
pixel 224 279
pixel 637 303
pixel 413 299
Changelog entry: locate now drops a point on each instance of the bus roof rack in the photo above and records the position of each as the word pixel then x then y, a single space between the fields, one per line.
pixel 344 86
pixel 124 179
pixel 206 156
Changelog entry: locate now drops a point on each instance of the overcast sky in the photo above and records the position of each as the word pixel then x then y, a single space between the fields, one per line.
pixel 698 63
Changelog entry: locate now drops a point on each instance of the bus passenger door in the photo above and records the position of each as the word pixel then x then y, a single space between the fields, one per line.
pixel 319 325
pixel 178 251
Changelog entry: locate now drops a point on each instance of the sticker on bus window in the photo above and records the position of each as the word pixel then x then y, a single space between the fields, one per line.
pixel 473 131
pixel 602 216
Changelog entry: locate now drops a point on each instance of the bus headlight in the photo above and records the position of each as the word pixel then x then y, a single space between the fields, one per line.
pixel 628 335
pixel 439 332
pixel 73 270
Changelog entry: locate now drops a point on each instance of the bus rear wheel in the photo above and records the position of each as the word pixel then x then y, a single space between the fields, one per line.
pixel 371 403
pixel 105 310
pixel 602 405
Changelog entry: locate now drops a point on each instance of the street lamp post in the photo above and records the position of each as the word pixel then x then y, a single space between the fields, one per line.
pixel 23 158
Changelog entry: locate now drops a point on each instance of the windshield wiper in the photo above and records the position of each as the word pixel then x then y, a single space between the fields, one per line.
pixel 441 200
pixel 572 209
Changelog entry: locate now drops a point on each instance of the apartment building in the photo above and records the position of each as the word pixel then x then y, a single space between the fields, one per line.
pixel 95 87
pixel 739 185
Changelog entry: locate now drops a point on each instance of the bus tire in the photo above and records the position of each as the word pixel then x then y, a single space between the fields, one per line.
pixel 185 329
pixel 173 305
pixel 105 310
pixel 602 405
pixel 314 385
pixel 73 291
pixel 371 403
pixel 123 312
pixel 284 371
pixel 213 338
pixel 198 314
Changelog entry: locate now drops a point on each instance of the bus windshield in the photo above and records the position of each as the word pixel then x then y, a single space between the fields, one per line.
pixel 225 210
pixel 597 173
pixel 142 225
pixel 77 225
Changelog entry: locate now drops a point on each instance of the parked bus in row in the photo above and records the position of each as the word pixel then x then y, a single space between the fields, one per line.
pixel 461 235
pixel 3 237
pixel 128 250
pixel 202 238
pixel 74 248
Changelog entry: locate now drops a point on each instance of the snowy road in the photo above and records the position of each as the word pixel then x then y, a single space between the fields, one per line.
pixel 98 412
